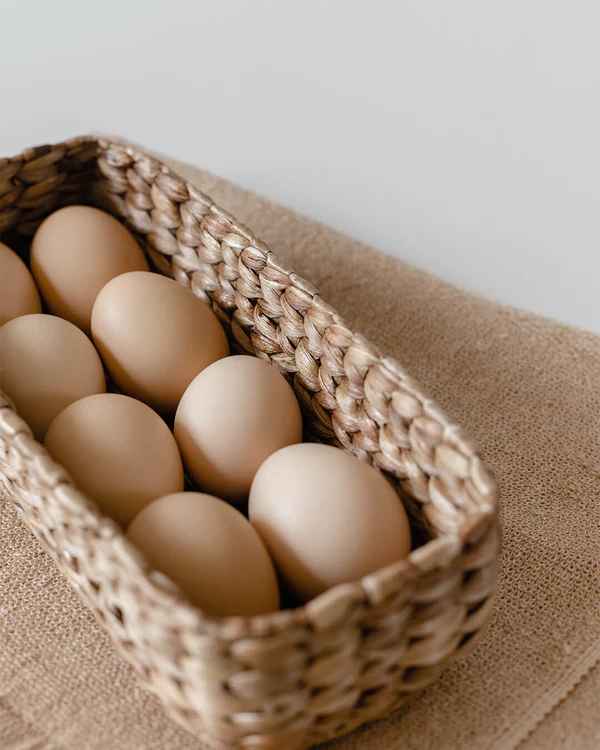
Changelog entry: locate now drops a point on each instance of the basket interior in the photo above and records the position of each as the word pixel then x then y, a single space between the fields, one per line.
pixel 350 396
pixel 305 674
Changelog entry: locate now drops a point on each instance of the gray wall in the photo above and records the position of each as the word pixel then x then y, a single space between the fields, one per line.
pixel 462 136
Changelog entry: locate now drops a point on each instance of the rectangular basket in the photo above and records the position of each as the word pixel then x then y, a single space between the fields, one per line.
pixel 297 677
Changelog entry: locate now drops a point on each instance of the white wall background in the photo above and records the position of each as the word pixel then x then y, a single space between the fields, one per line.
pixel 462 136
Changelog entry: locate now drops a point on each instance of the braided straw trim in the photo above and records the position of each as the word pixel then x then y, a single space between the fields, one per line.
pixel 358 651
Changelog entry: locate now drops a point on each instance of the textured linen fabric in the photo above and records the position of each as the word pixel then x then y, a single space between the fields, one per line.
pixel 574 722
pixel 526 388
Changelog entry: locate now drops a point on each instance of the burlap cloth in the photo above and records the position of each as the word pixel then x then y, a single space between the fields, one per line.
pixel 527 389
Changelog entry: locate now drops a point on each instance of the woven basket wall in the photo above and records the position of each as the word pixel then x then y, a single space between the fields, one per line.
pixel 297 677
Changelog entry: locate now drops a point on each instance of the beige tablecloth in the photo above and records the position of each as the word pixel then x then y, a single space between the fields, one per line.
pixel 527 389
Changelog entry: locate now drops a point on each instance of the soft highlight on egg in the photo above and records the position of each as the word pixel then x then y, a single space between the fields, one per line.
pixel 326 517
pixel 155 336
pixel 18 293
pixel 234 415
pixel 118 452
pixel 75 252
pixel 210 551
pixel 47 363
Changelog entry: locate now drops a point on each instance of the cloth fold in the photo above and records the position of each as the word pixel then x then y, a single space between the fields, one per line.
pixel 526 388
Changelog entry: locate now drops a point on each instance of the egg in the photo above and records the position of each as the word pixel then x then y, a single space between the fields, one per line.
pixel 326 517
pixel 18 293
pixel 232 416
pixel 210 551
pixel 118 452
pixel 74 253
pixel 46 363
pixel 155 336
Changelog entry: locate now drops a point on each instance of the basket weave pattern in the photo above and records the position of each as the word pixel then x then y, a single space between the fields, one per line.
pixel 296 677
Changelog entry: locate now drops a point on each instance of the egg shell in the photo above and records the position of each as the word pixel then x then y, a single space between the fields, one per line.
pixel 74 253
pixel 118 452
pixel 155 336
pixel 210 551
pixel 234 415
pixel 47 363
pixel 18 293
pixel 326 517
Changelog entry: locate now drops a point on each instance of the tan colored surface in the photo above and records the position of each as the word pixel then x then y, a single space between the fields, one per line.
pixel 574 722
pixel 527 389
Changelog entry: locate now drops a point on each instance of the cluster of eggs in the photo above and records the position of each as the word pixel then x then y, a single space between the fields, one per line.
pixel 128 380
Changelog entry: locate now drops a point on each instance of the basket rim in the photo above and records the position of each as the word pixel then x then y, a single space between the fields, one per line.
pixel 441 550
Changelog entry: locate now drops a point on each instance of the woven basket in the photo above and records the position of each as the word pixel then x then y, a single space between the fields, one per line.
pixel 297 677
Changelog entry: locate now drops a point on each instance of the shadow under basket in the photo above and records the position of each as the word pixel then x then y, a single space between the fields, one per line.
pixel 357 652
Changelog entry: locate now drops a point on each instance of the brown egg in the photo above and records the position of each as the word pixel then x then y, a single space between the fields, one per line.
pixel 74 253
pixel 326 517
pixel 155 336
pixel 18 295
pixel 210 551
pixel 233 415
pixel 118 452
pixel 46 364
